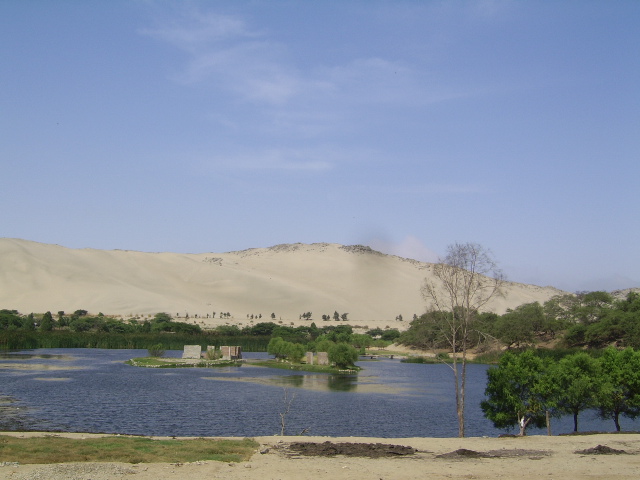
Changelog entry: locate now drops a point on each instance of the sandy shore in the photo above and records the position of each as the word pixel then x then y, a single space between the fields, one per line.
pixel 531 457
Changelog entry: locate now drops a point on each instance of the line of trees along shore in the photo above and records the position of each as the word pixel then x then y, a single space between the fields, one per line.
pixel 80 330
pixel 586 320
pixel 523 388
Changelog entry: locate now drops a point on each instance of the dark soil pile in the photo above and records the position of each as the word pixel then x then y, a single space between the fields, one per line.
pixel 370 450
pixel 464 453
pixel 601 450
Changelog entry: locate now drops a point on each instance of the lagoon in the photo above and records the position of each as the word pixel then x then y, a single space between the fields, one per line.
pixel 93 390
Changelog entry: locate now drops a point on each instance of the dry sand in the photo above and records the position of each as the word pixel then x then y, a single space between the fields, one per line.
pixel 531 457
pixel 288 280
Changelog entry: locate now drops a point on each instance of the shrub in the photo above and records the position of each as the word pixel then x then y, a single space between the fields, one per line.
pixel 213 354
pixel 343 355
pixel 156 350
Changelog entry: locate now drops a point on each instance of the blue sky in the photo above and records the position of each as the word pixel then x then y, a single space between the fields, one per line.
pixel 211 126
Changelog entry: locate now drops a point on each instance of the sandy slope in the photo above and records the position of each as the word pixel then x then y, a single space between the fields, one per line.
pixel 286 280
pixel 533 457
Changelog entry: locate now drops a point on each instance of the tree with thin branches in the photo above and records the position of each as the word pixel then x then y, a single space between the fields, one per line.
pixel 463 283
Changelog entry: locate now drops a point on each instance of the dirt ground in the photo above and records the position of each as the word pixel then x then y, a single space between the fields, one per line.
pixel 586 457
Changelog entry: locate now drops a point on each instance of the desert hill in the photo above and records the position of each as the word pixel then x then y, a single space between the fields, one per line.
pixel 287 280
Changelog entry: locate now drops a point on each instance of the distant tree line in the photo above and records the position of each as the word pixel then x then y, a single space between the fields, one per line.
pixel 586 319
pixel 79 329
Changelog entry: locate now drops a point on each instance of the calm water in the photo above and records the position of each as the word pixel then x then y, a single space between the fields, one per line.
pixel 93 390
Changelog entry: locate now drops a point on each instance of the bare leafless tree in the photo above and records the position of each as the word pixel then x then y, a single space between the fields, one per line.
pixel 463 283
pixel 287 400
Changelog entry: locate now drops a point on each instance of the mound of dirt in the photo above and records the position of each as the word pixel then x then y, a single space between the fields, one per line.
pixel 600 450
pixel 370 450
pixel 464 453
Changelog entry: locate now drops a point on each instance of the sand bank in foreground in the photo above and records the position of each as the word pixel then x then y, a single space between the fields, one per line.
pixel 532 457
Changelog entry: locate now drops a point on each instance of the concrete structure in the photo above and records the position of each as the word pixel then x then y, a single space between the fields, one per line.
pixel 323 358
pixel 231 353
pixel 192 351
pixel 309 358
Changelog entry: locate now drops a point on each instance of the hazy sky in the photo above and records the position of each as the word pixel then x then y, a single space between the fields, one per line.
pixel 211 126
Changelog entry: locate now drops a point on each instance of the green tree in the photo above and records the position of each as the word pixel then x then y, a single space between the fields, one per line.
pixel 81 324
pixel 630 322
pixel 620 389
pixel 156 350
pixel 323 344
pixel 390 334
pixel 10 319
pixel 276 347
pixel 342 355
pixel 46 324
pixel 426 332
pixel 282 349
pixel 515 393
pixel 463 283
pixel 294 351
pixel 518 327
pixel 162 317
pixel 262 328
pixel 592 306
pixel 62 320
pixel 573 384
pixel 560 307
pixel 360 340
pixel 29 322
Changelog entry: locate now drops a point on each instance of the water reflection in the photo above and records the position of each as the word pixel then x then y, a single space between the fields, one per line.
pixel 293 380
pixel 36 367
pixel 25 356
pixel 332 383
pixel 342 383
pixel 326 383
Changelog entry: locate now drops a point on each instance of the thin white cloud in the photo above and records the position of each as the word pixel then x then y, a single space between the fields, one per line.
pixel 195 31
pixel 230 54
pixel 224 50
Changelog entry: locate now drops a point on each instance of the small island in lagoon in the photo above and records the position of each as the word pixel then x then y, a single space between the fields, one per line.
pixel 231 356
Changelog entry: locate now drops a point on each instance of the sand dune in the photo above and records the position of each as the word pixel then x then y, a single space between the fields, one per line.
pixel 287 280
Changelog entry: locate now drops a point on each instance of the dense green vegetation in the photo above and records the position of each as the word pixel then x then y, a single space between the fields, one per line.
pixel 338 342
pixel 589 319
pixel 560 380
pixel 80 330
pixel 523 387
pixel 289 344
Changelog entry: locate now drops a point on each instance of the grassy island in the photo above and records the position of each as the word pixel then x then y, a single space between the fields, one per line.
pixel 159 362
